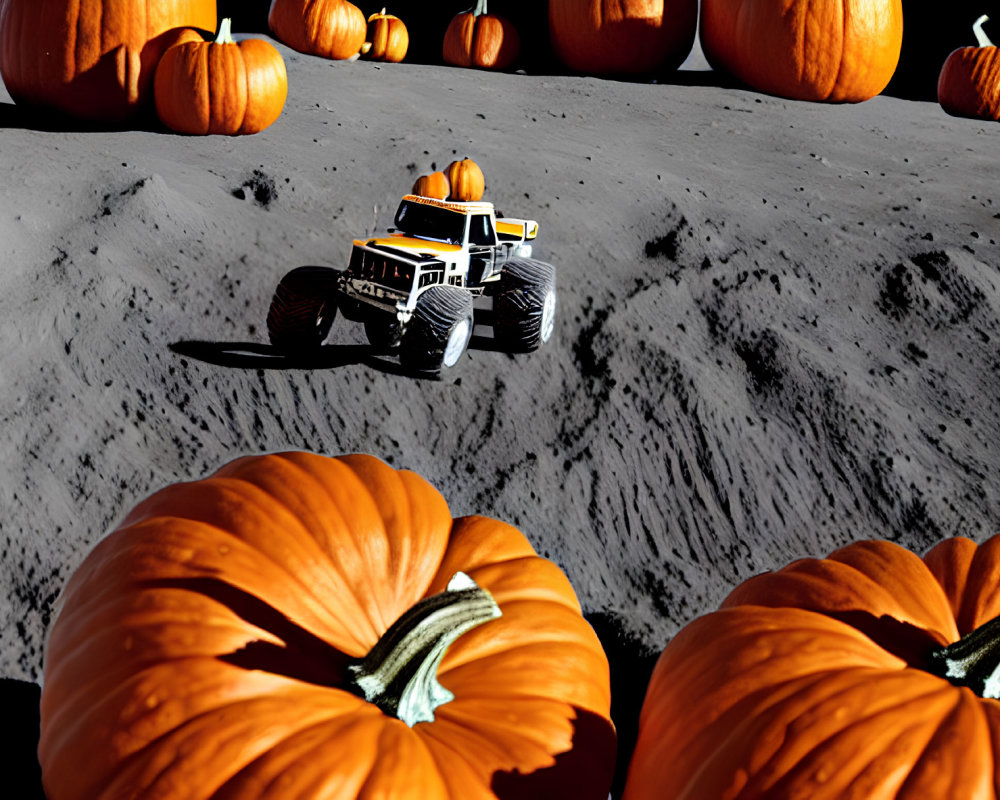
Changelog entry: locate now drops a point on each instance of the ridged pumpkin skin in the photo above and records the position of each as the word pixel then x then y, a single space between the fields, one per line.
pixel 969 83
pixel 388 38
pixel 622 37
pixel 479 39
pixel 195 654
pixel 221 87
pixel 434 185
pixel 837 51
pixel 92 59
pixel 332 29
pixel 813 682
pixel 466 180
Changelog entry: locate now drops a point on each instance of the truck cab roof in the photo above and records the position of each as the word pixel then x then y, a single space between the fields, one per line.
pixel 463 207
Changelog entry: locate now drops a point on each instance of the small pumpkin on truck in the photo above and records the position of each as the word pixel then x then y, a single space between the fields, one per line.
pixel 445 269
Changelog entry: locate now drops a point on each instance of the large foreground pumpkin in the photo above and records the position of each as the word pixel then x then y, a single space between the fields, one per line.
pixel 93 59
pixel 867 674
pixel 221 643
pixel 823 50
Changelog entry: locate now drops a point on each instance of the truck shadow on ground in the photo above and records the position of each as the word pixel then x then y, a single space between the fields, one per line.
pixel 257 355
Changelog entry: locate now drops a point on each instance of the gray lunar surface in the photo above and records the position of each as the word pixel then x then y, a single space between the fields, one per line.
pixel 777 330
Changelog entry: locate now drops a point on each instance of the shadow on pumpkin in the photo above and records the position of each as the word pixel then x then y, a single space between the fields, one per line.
pixel 303 656
pixel 255 355
pixel 579 772
pixel 19 700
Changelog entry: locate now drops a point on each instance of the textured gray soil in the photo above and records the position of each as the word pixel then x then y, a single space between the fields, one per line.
pixel 777 332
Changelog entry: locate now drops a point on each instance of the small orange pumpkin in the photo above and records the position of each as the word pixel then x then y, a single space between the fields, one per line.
pixel 94 60
pixel 869 673
pixel 476 38
pixel 466 180
pixel 969 83
pixel 622 37
pixel 388 38
pixel 301 626
pixel 221 86
pixel 838 51
pixel 332 29
pixel 434 185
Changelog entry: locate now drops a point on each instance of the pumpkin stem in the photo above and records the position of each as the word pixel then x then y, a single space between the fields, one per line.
pixel 480 8
pixel 973 661
pixel 225 35
pixel 981 37
pixel 399 675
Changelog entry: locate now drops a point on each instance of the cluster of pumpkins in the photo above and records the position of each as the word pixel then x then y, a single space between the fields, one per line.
pixel 305 626
pixel 839 51
pixel 461 180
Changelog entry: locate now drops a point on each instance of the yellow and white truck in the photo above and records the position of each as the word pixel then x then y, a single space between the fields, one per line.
pixel 445 269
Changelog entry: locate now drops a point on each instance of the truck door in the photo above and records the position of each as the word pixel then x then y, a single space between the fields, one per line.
pixel 482 248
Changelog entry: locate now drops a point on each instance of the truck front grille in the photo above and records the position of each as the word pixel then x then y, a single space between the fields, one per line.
pixel 381 269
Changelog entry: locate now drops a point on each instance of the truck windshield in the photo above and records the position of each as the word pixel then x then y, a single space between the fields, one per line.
pixel 430 222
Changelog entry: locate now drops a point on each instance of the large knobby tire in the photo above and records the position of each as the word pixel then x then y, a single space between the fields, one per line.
pixel 439 331
pixel 383 331
pixel 302 310
pixel 524 307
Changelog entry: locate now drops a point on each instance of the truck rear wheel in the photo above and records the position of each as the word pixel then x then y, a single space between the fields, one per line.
pixel 439 332
pixel 525 305
pixel 302 310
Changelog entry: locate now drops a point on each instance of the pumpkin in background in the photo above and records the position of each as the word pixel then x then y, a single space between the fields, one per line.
pixel 221 86
pixel 843 677
pixel 466 180
pixel 92 60
pixel 298 626
pixel 476 38
pixel 388 38
pixel 622 37
pixel 434 185
pixel 969 84
pixel 838 51
pixel 328 28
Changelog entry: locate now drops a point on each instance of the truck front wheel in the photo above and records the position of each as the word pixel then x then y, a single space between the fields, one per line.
pixel 525 305
pixel 439 332
pixel 302 310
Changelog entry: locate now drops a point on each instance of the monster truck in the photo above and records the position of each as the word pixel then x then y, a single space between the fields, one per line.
pixel 445 269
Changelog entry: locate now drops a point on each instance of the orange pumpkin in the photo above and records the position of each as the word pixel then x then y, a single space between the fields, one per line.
pixel 466 180
pixel 477 38
pixel 622 37
pixel 388 38
pixel 843 677
pixel 299 626
pixel 328 28
pixel 221 86
pixel 93 60
pixel 434 185
pixel 969 84
pixel 838 51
